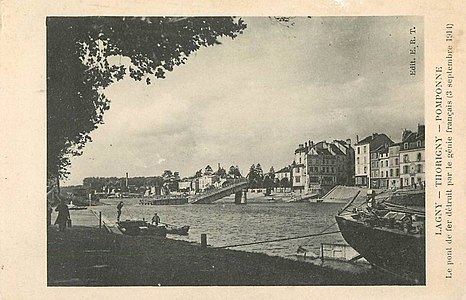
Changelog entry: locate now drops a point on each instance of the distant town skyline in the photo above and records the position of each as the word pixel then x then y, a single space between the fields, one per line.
pixel 254 99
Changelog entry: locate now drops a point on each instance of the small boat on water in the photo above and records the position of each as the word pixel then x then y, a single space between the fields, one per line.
pixel 389 236
pixel 72 206
pixel 141 227
pixel 302 198
pixel 181 230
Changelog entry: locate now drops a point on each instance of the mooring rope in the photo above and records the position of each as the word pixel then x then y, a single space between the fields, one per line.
pixel 278 240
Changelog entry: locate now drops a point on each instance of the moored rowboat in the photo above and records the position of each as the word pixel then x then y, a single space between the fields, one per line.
pixel 141 227
pixel 183 230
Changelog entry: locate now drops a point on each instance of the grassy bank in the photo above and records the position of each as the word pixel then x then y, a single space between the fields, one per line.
pixel 84 256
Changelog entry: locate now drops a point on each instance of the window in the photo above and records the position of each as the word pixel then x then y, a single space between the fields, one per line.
pixel 297 179
pixel 357 160
pixel 397 172
pixel 386 163
pixel 405 146
pixel 297 170
pixel 419 156
pixel 365 150
pixel 396 162
pixel 419 143
pixel 419 169
pixel 359 150
pixel 405 169
pixel 365 170
pixel 405 158
pixel 391 172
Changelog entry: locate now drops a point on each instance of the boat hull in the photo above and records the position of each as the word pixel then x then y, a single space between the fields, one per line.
pixel 178 230
pixel 137 228
pixel 389 249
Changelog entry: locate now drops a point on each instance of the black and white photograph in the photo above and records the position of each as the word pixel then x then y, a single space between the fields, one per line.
pixel 232 150
pixel 235 151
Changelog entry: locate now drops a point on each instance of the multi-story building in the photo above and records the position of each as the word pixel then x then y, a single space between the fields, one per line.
pixel 322 168
pixel 379 167
pixel 317 168
pixel 283 173
pixel 363 149
pixel 362 162
pixel 186 185
pixel 394 166
pixel 412 158
pixel 298 169
pixel 344 162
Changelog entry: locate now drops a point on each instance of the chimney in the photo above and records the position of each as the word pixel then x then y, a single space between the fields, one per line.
pixel 311 144
pixel 348 141
pixel 357 138
pixel 305 145
pixel 218 166
pixel 126 179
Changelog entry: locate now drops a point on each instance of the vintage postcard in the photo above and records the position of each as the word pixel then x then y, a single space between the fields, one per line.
pixel 233 151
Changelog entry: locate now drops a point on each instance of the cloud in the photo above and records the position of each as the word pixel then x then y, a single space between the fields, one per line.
pixel 255 98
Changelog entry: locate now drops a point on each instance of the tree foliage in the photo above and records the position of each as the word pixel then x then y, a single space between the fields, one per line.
pixel 84 57
pixel 234 172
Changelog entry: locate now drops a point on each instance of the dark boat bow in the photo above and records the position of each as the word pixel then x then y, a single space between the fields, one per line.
pixel 388 239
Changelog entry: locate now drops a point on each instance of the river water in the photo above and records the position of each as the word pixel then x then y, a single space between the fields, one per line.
pixel 226 223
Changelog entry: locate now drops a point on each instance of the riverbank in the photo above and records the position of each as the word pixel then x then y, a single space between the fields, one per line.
pixel 89 256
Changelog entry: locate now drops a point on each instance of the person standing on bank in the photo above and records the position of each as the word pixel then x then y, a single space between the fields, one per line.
pixel 119 207
pixel 63 215
pixel 155 219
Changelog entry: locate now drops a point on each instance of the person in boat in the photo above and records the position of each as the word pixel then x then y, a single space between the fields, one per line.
pixel 119 207
pixel 370 201
pixel 63 215
pixel 155 219
pixel 408 223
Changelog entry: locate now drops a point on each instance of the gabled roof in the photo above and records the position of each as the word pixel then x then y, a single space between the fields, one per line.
pixel 284 170
pixel 336 150
pixel 365 140
pixel 298 165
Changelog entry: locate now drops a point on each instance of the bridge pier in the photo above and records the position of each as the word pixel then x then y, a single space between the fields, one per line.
pixel 238 196
pixel 241 197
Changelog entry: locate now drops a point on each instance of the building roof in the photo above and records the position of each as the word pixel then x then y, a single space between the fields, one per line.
pixel 336 150
pixel 413 138
pixel 375 140
pixel 298 165
pixel 284 170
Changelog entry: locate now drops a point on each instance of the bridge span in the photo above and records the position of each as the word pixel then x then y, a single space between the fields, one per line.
pixel 237 187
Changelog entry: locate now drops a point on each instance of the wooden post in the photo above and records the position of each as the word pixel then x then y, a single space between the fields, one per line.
pixel 322 252
pixel 203 240
pixel 100 219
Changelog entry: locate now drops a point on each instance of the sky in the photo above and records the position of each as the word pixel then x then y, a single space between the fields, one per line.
pixel 255 98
